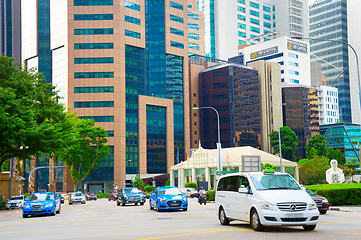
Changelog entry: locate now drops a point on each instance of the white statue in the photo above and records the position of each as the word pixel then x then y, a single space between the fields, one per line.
pixel 334 174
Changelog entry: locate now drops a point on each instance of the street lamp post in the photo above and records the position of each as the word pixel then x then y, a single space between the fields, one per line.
pixel 279 134
pixel 219 137
pixel 135 174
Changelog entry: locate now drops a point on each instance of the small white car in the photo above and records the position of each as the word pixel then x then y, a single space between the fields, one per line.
pixel 264 199
pixel 77 197
pixel 15 202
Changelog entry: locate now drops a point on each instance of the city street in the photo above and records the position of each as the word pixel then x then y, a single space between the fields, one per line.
pixel 103 219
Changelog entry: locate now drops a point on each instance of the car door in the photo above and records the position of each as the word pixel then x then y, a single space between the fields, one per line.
pixel 153 198
pixel 243 200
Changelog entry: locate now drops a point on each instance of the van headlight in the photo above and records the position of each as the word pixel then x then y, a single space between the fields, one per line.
pixel 268 206
pixel 312 205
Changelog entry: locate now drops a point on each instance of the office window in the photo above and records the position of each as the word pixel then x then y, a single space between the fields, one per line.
pixel 193 16
pixel 255 5
pixel 241 1
pixel 176 5
pixel 177 31
pixel 131 5
pixel 190 6
pixel 176 18
pixel 194 36
pixel 282 80
pixel 267 25
pixel 241 17
pixel 110 133
pixel 193 26
pixel 93 89
pixel 131 20
pixel 93 60
pixel 177 44
pixel 94 31
pixel 293 72
pixel 93 2
pixel 79 17
pixel 95 104
pixel 99 118
pixel 293 64
pixel 241 42
pixel 93 45
pixel 193 46
pixel 254 29
pixel 254 13
pixel 292 55
pixel 132 34
pixel 254 21
pixel 266 9
pixel 94 75
pixel 241 25
pixel 241 9
pixel 282 71
pixel 268 17
pixel 266 31
pixel 241 34
pixel 294 80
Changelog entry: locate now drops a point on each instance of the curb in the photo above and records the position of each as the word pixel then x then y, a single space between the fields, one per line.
pixel 340 209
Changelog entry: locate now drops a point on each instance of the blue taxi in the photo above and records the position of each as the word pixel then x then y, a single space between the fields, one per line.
pixel 163 198
pixel 41 202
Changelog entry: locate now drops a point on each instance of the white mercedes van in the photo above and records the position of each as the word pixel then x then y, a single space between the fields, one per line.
pixel 264 199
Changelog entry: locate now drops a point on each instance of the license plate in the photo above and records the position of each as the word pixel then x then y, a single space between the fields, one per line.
pixel 37 210
pixel 294 215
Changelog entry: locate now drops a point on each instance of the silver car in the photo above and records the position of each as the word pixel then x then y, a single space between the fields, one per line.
pixel 15 202
pixel 77 197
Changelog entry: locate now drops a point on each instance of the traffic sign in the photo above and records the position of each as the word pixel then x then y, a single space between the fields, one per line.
pixel 225 172
pixel 134 180
pixel 217 173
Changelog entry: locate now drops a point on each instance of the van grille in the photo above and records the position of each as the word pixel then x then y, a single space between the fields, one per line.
pixel 292 206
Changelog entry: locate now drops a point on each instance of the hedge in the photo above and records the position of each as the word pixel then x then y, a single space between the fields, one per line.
pixel 2 204
pixel 102 195
pixel 191 185
pixel 210 195
pixel 340 193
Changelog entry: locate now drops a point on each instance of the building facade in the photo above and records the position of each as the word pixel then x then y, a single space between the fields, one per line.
pixel 125 65
pixel 10 28
pixel 292 55
pixel 301 114
pixel 233 22
pixel 328 19
pixel 328 105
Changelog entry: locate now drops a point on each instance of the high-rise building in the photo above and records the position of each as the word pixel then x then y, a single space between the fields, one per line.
pixel 301 114
pixel 230 23
pixel 328 105
pixel 125 65
pixel 328 19
pixel 10 29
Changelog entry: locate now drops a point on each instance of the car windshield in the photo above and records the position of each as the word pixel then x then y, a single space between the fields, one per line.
pixel 131 190
pixel 269 182
pixel 78 194
pixel 169 191
pixel 17 198
pixel 41 197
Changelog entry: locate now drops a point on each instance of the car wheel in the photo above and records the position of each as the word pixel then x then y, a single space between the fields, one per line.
pixel 25 216
pixel 323 211
pixel 222 217
pixel 185 209
pixel 123 203
pixel 157 208
pixel 54 212
pixel 136 204
pixel 309 227
pixel 58 212
pixel 150 206
pixel 118 203
pixel 255 222
pixel 7 208
pixel 70 203
pixel 108 199
pixel 142 203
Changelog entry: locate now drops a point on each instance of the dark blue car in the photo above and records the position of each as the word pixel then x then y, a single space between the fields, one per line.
pixel 41 202
pixel 163 198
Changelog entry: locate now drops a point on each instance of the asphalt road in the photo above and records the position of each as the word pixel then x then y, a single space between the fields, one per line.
pixel 104 220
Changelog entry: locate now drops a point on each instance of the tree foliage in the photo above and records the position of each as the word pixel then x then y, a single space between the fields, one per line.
pixel 148 188
pixel 350 167
pixel 288 140
pixel 336 154
pixel 317 142
pixel 313 170
pixel 139 182
pixel 267 166
pixel 30 117
pixel 85 147
pixel 313 153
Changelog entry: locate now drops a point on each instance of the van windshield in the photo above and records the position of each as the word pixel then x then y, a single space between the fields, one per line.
pixel 270 182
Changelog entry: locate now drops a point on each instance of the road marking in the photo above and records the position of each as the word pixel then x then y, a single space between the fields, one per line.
pixel 187 234
pixel 333 222
pixel 348 233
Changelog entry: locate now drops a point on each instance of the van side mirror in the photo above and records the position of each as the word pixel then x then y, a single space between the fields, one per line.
pixel 242 190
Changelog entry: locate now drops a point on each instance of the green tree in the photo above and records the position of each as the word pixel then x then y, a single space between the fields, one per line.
pixel 336 154
pixel 31 121
pixel 312 154
pixel 317 142
pixel 148 188
pixel 350 167
pixel 138 182
pixel 167 183
pixel 288 140
pixel 313 170
pixel 84 149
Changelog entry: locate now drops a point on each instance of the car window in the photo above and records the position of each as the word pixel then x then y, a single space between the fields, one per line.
pixel 228 184
pixel 265 182
pixel 41 197
pixel 78 194
pixel 309 191
pixel 222 184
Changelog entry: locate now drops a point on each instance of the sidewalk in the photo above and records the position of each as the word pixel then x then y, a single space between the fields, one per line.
pixel 349 208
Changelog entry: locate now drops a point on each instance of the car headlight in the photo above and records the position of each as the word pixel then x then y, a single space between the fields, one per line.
pixel 268 206
pixel 162 199
pixel 184 199
pixel 49 205
pixel 26 206
pixel 325 200
pixel 125 196
pixel 312 205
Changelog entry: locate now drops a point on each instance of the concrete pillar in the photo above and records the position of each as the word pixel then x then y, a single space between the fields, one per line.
pixel 171 177
pixel 194 178
pixel 181 179
pixel 208 177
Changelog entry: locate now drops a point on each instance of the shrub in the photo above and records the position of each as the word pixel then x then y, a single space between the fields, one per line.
pixel 148 188
pixel 191 185
pixel 211 195
pixel 2 204
pixel 340 193
pixel 102 195
pixel 167 183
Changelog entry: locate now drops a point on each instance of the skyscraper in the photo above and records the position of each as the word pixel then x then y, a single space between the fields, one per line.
pixel 328 20
pixel 125 65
